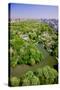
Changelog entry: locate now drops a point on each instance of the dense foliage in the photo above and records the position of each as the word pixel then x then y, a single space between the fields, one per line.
pixel 45 75
pixel 14 81
pixel 24 37
pixel 24 53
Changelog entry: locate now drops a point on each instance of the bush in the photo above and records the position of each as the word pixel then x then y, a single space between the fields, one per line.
pixel 14 81
pixel 39 74
pixel 35 80
pixel 31 61
pixel 29 74
pixel 29 55
pixel 25 82
pixel 47 75
pixel 30 79
pixel 26 78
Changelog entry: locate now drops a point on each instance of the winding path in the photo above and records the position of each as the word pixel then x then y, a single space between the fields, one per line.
pixel 19 70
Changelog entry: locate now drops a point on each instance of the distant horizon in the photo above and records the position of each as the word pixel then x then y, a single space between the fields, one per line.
pixel 31 11
pixel 31 19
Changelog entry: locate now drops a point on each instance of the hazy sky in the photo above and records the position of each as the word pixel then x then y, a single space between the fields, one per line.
pixel 33 11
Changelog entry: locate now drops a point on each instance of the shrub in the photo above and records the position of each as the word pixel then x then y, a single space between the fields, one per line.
pixel 31 61
pixel 35 80
pixel 14 81
pixel 47 75
pixel 29 74
pixel 30 79
pixel 26 78
pixel 25 82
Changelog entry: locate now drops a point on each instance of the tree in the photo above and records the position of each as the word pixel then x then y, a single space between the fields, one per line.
pixel 14 81
pixel 25 82
pixel 29 74
pixel 35 80
pixel 13 61
pixel 31 61
pixel 27 77
pixel 39 74
pixel 30 79
pixel 47 75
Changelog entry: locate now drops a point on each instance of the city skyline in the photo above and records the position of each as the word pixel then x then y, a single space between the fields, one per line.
pixel 31 11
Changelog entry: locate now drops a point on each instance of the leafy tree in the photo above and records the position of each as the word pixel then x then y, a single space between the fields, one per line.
pixel 47 75
pixel 26 78
pixel 25 82
pixel 31 61
pixel 13 60
pixel 14 81
pixel 39 74
pixel 29 74
pixel 30 79
pixel 35 80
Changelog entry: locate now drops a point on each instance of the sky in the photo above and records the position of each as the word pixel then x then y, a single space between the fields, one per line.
pixel 33 11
